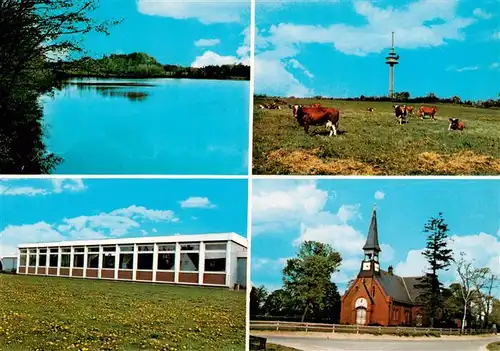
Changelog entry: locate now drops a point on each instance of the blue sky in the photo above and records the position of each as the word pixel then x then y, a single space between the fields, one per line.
pixel 171 31
pixel 338 212
pixel 338 48
pixel 42 210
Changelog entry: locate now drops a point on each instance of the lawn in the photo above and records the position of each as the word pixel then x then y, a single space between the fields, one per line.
pixel 48 313
pixel 373 143
pixel 494 346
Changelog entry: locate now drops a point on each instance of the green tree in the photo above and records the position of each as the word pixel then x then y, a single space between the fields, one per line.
pixel 307 277
pixel 257 299
pixel 278 304
pixel 33 32
pixel 439 258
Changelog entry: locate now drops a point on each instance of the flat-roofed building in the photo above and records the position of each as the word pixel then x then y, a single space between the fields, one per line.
pixel 205 259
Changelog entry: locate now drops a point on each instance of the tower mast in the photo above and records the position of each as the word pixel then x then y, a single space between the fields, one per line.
pixel 392 59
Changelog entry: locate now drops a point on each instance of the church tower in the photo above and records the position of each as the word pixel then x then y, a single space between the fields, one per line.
pixel 370 265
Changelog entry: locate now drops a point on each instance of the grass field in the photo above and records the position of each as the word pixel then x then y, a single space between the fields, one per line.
pixel 494 346
pixel 373 143
pixel 45 313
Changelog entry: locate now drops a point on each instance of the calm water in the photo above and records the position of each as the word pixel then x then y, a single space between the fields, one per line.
pixel 160 126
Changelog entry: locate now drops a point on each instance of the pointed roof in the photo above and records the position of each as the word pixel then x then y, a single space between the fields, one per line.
pixel 372 238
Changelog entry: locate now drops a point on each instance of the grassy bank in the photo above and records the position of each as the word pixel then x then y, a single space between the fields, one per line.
pixel 45 313
pixel 373 143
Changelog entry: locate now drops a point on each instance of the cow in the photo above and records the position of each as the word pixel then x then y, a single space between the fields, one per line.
pixel 310 116
pixel 455 124
pixel 409 109
pixel 261 107
pixel 370 109
pixel 401 113
pixel 428 111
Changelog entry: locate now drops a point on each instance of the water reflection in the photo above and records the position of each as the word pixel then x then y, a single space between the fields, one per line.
pixel 114 89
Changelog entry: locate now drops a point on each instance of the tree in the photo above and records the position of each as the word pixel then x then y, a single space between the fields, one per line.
pixel 472 280
pixel 257 298
pixel 486 299
pixel 439 258
pixel 307 277
pixel 278 304
pixel 33 32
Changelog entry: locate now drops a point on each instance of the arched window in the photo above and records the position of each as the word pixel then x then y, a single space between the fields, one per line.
pixel 419 319
pixel 361 316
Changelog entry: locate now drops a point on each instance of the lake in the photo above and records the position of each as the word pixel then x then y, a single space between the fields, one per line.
pixel 149 126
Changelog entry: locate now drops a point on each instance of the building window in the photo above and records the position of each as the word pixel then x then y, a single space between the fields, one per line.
pixel 22 259
pixel 190 257
pixel 166 257
pixel 78 261
pixel 42 257
pixel 419 320
pixel 127 257
pixel 361 316
pixel 32 258
pixel 65 260
pixel 145 257
pixel 54 258
pixel 93 260
pixel 215 257
pixel 108 257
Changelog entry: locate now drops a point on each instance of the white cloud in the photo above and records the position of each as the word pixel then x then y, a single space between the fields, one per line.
pixel 483 248
pixel 205 11
pixel 211 58
pixel 58 186
pixel 22 190
pixel 468 68
pixel 379 195
pixel 481 13
pixel 296 64
pixel 207 42
pixel 300 205
pixel 116 223
pixel 409 22
pixel 142 212
pixel 197 202
pixel 72 185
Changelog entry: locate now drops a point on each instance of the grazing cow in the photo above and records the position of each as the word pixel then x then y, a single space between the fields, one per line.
pixel 310 116
pixel 427 111
pixel 401 113
pixel 370 109
pixel 455 124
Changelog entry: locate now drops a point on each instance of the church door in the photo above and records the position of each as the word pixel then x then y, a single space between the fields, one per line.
pixel 361 316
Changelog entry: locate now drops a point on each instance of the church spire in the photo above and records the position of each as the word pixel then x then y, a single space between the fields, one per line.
pixel 372 238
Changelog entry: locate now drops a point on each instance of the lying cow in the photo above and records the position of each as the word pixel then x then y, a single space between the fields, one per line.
pixel 455 124
pixel 261 107
pixel 313 116
pixel 370 109
pixel 401 113
pixel 428 111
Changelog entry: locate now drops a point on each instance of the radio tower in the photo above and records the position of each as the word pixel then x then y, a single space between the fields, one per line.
pixel 392 60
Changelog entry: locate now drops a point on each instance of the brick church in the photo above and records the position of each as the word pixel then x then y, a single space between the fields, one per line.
pixel 378 297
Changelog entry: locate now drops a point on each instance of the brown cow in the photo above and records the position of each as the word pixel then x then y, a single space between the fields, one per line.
pixel 401 113
pixel 310 116
pixel 409 109
pixel 455 124
pixel 427 111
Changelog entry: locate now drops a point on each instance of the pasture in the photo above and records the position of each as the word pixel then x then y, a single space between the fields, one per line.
pixel 46 313
pixel 373 143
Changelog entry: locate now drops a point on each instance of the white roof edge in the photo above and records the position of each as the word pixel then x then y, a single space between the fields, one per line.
pixel 146 240
pixel 8 256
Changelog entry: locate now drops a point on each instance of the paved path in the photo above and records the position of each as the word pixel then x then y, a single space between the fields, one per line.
pixel 350 344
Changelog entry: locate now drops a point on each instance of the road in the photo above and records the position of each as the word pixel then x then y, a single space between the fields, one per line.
pixel 350 344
